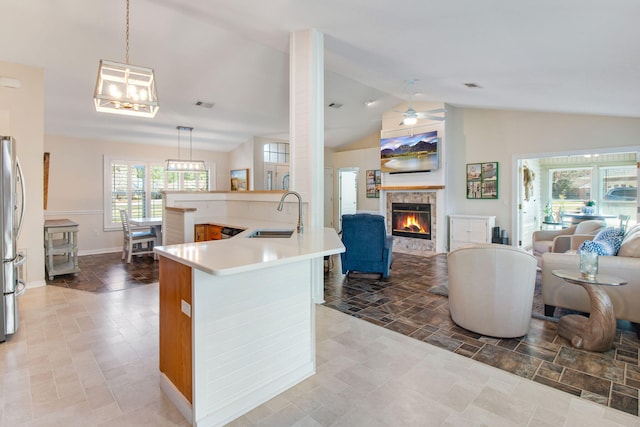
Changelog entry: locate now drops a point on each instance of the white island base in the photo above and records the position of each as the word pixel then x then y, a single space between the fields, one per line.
pixel 231 339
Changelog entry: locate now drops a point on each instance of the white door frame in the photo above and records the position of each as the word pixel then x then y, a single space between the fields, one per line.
pixel 341 171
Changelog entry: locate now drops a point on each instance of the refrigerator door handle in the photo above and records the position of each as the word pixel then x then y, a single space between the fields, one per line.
pixel 23 193
pixel 21 288
pixel 20 259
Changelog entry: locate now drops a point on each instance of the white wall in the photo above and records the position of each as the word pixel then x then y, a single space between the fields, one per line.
pixel 482 135
pixel 363 159
pixel 23 118
pixel 241 158
pixel 391 128
pixel 257 173
pixel 76 182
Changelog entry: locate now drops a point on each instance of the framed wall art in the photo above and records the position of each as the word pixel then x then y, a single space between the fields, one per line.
pixel 374 179
pixel 240 180
pixel 482 180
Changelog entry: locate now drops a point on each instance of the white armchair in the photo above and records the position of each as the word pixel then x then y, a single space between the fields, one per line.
pixel 564 240
pixel 491 289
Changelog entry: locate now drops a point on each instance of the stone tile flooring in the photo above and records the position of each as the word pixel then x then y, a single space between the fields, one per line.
pixel 91 359
pixel 403 304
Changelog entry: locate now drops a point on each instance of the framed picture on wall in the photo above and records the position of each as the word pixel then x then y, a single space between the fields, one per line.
pixel 240 180
pixel 473 180
pixel 374 179
pixel 489 177
pixel 482 180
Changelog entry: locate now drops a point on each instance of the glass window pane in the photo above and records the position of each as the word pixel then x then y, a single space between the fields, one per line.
pixel 157 186
pixel 570 188
pixel 618 186
pixel 119 190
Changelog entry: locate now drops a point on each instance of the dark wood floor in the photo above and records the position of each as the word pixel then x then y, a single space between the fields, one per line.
pixel 107 273
pixel 403 304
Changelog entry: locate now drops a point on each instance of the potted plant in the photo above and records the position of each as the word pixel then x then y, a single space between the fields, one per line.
pixel 589 207
pixel 548 213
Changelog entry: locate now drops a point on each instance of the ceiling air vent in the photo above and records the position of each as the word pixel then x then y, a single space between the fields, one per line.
pixel 335 105
pixel 205 104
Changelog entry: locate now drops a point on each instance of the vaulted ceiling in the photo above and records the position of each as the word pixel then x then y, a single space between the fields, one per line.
pixel 577 56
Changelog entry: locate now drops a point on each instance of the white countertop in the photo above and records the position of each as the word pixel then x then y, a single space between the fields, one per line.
pixel 240 253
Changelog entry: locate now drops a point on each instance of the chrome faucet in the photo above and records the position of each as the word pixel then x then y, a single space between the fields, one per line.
pixel 299 207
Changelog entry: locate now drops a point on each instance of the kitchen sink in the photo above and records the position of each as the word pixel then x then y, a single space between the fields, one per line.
pixel 271 233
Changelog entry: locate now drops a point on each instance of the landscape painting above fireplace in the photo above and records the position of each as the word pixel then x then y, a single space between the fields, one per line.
pixel 409 153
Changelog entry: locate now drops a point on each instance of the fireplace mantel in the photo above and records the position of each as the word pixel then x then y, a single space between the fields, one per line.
pixel 410 187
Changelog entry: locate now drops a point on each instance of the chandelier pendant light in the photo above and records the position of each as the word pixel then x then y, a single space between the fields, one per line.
pixel 177 165
pixel 125 88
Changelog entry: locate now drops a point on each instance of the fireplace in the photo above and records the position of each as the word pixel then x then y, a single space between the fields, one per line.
pixel 411 220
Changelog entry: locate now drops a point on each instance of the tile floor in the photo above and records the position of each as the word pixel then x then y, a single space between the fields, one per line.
pixel 403 304
pixel 90 359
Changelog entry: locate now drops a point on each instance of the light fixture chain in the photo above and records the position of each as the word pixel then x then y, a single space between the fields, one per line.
pixel 127 48
pixel 179 129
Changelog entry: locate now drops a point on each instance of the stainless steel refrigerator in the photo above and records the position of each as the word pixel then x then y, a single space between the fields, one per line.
pixel 12 208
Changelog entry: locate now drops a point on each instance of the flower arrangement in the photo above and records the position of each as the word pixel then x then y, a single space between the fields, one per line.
pixel 548 212
pixel 589 207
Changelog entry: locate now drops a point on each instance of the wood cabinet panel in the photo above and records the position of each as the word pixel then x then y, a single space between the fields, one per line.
pixel 175 326
pixel 204 232
pixel 214 232
pixel 200 233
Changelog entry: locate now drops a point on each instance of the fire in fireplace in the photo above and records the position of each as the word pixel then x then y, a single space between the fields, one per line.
pixel 411 220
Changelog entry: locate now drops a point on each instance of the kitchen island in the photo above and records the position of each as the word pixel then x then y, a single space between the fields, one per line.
pixel 237 319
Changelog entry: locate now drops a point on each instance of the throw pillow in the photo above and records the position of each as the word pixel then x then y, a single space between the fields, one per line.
pixel 611 237
pixel 608 232
pixel 602 248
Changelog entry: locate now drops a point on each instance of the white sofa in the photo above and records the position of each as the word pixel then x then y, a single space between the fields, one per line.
pixel 626 265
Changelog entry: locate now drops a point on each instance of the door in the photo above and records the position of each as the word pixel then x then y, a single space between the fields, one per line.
pixel 348 192
pixel 528 196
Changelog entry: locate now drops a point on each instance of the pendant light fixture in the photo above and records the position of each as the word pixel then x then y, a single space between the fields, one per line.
pixel 125 88
pixel 190 165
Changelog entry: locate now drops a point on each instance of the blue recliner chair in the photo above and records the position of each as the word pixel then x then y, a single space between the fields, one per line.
pixel 368 248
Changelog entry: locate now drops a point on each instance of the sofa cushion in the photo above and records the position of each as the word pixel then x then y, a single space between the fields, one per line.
pixel 589 227
pixel 630 246
pixel 542 246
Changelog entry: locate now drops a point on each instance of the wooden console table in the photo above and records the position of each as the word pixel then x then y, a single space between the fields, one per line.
pixel 595 333
pixel 61 247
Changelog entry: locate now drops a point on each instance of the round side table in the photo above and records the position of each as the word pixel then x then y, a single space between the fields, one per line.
pixel 595 333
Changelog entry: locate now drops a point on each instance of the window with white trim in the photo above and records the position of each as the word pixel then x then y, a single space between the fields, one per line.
pixel 612 188
pixel 137 187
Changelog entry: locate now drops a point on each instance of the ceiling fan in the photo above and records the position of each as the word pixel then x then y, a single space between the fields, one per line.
pixel 411 116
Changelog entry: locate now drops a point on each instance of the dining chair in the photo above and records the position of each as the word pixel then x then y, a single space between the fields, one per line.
pixel 624 221
pixel 135 242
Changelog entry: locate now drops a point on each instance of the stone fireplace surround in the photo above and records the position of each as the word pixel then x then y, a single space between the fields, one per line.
pixel 410 245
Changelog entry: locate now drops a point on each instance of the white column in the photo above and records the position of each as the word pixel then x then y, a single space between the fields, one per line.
pixel 306 129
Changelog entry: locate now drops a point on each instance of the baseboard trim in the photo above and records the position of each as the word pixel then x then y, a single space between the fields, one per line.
pixel 36 284
pixel 99 251
pixel 177 398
